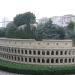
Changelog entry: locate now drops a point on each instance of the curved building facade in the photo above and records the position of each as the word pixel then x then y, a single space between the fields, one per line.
pixel 45 52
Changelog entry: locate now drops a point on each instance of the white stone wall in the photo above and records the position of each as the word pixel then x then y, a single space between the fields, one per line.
pixel 46 52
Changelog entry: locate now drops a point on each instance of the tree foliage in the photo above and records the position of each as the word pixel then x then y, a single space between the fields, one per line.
pixel 50 31
pixel 2 31
pixel 26 18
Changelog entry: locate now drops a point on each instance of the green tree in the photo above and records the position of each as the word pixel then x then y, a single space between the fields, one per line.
pixel 70 31
pixel 50 31
pixel 27 18
pixel 11 30
pixel 2 31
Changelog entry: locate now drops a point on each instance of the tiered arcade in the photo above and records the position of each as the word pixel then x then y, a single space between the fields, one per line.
pixel 45 52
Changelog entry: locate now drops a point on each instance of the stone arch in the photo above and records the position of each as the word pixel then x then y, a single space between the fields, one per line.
pixel 43 52
pixel 52 52
pixel 69 60
pixel 61 60
pixel 57 61
pixel 38 60
pixel 61 52
pixel 52 60
pixel 57 52
pixel 65 53
pixel 34 60
pixel 72 59
pixel 43 60
pixel 65 60
pixel 38 52
pixel 22 59
pixel 47 61
pixel 48 52
pixel 18 58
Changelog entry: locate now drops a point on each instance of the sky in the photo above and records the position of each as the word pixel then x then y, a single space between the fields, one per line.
pixel 41 8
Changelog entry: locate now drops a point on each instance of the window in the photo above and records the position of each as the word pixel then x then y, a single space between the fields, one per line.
pixel 25 51
pixel 38 60
pixel 57 53
pixel 25 59
pixel 65 60
pixel 15 57
pixel 15 50
pixel 73 60
pixel 69 52
pixel 43 61
pixel 29 59
pixel 52 52
pixel 52 60
pixel 21 58
pixel 47 60
pixel 43 52
pixel 57 61
pixel 34 60
pixel 34 52
pixel 22 51
pixel 12 57
pixel 65 52
pixel 48 53
pixel 38 52
pixel 61 52
pixel 18 58
pixel 61 60
pixel 12 50
pixel 18 51
pixel 30 52
pixel 69 60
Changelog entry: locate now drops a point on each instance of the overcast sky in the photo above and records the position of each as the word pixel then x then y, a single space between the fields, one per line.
pixel 41 8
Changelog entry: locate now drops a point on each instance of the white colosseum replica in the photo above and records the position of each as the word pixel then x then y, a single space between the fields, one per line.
pixel 29 51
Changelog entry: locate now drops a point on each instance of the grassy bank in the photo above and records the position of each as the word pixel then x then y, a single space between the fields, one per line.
pixel 36 69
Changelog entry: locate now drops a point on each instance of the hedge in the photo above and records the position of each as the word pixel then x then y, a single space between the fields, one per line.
pixel 36 69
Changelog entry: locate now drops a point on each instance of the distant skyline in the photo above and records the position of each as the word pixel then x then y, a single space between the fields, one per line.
pixel 41 8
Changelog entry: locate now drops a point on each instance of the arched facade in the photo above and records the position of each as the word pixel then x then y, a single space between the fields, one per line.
pixel 46 52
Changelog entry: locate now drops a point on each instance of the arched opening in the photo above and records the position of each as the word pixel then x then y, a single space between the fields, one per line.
pixel 34 60
pixel 69 60
pixel 57 53
pixel 72 59
pixel 38 52
pixel 34 52
pixel 61 52
pixel 43 61
pixel 65 61
pixel 48 53
pixel 52 60
pixel 65 52
pixel 29 59
pixel 47 61
pixel 25 51
pixel 43 52
pixel 52 52
pixel 30 52
pixel 61 60
pixel 15 58
pixel 38 60
pixel 21 58
pixel 25 59
pixel 57 61
pixel 22 51
pixel 18 58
